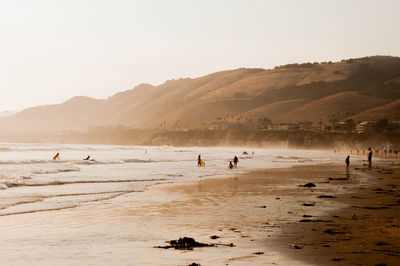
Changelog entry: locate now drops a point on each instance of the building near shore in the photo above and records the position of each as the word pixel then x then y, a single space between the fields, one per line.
pixel 365 127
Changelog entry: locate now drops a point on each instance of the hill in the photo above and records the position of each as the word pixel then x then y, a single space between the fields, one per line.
pixel 362 88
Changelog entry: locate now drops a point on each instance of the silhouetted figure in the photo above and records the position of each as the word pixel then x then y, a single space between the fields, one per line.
pixel 347 161
pixel 199 161
pixel 235 161
pixel 230 165
pixel 87 158
pixel 57 156
pixel 369 157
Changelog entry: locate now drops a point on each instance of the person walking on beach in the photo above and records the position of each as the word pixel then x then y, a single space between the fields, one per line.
pixel 369 157
pixel 347 161
pixel 199 161
pixel 235 161
pixel 57 156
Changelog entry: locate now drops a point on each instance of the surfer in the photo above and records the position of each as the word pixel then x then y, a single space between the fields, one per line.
pixel 87 158
pixel 235 161
pixel 199 161
pixel 57 156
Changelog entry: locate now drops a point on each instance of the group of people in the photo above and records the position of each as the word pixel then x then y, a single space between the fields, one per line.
pixel 57 157
pixel 200 162
pixel 369 158
pixel 236 160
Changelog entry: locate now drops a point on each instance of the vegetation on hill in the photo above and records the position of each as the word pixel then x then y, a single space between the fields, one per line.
pixel 358 88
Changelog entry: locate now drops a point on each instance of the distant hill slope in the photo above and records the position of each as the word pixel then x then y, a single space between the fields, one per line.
pixel 364 88
pixel 389 111
pixel 340 105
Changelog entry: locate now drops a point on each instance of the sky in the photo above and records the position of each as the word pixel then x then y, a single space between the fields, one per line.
pixel 52 50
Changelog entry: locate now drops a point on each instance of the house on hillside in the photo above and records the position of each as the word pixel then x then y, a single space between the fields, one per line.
pixel 327 127
pixel 345 126
pixel 284 126
pixel 365 127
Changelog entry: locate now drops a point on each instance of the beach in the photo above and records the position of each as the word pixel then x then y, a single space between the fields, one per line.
pixel 255 217
pixel 351 217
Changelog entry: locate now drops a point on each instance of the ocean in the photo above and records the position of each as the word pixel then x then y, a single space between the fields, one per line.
pixel 31 181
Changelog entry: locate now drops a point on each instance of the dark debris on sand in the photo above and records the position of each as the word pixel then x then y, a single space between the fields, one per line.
pixel 258 253
pixel 326 197
pixel 338 178
pixel 186 243
pixel 309 185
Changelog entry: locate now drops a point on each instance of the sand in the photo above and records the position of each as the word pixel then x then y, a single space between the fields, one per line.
pixel 268 216
pixel 350 217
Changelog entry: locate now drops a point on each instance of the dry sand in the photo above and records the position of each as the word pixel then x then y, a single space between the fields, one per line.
pixel 351 217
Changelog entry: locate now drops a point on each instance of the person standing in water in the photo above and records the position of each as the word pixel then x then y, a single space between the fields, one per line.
pixel 347 161
pixel 230 165
pixel 235 161
pixel 199 161
pixel 369 157
pixel 57 156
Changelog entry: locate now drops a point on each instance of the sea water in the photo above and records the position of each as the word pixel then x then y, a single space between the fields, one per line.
pixel 31 181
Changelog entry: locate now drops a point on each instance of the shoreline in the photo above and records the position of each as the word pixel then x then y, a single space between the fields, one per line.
pixel 272 224
pixel 259 212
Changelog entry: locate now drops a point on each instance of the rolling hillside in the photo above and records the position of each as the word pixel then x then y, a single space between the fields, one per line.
pixel 365 88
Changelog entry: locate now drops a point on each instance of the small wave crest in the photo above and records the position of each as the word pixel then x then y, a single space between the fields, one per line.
pixel 34 161
pixel 137 161
pixel 55 171
pixel 69 182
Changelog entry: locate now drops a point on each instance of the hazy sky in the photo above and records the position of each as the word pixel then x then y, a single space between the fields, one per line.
pixel 53 50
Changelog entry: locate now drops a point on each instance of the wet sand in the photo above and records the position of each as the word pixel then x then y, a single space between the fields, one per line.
pixel 349 218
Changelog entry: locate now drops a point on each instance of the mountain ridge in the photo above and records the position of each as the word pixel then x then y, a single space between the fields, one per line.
pixel 295 92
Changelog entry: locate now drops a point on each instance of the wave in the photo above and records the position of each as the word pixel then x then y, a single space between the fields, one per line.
pixel 94 162
pixel 88 162
pixel 59 182
pixel 34 161
pixel 137 161
pixel 40 198
pixel 55 171
pixel 114 194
